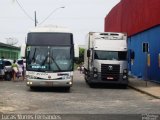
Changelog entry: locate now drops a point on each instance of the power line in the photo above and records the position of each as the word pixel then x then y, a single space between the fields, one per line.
pixel 51 14
pixel 35 13
pixel 24 11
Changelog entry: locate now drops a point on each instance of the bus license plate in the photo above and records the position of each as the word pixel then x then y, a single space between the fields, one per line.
pixel 49 83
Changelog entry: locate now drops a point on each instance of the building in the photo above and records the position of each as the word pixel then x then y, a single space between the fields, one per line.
pixel 9 52
pixel 140 19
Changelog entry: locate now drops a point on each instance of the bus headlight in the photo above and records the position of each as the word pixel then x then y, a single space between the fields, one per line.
pixel 29 83
pixel 70 83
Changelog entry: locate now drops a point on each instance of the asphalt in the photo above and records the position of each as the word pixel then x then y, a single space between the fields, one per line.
pixel 147 87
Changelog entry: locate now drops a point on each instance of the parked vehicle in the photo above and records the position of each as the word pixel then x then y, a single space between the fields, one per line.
pixel 2 73
pixel 7 69
pixel 105 59
pixel 49 57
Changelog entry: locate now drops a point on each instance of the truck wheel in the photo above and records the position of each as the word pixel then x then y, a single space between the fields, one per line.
pixel 86 78
pixel 124 86
pixel 92 85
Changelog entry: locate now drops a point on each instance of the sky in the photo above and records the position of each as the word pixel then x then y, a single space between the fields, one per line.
pixel 80 16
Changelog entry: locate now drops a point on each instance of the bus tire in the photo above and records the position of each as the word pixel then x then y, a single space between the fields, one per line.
pixel 32 88
pixel 67 89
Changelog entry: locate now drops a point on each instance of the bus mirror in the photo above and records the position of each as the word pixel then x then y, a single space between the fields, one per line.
pixel 88 53
pixel 22 51
pixel 76 51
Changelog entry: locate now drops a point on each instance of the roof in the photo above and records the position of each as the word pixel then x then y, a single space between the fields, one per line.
pixel 8 46
pixel 133 16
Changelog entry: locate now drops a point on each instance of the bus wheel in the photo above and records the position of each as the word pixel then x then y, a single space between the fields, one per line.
pixel 32 88
pixel 67 89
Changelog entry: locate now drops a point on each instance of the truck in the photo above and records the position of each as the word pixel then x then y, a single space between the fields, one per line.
pixel 50 57
pixel 105 58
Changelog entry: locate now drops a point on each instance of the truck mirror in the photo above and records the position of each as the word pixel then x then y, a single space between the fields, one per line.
pixel 88 53
pixel 132 55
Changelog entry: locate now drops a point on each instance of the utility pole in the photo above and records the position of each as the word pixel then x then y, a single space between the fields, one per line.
pixel 35 18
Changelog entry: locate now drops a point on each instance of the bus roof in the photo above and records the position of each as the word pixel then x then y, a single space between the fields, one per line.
pixel 50 29
pixel 50 38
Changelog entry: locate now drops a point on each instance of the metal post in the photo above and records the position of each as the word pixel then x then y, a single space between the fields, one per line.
pixel 146 68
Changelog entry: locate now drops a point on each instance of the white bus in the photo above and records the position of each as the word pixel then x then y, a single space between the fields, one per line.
pixel 49 57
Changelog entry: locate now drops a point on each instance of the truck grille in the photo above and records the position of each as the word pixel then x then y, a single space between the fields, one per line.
pixel 110 72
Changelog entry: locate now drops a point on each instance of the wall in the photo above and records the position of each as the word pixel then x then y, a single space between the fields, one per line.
pixel 139 67
pixel 9 53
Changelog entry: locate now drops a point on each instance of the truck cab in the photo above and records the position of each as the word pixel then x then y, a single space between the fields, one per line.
pixel 105 59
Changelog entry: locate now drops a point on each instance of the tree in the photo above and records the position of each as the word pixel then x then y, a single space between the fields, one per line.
pixel 81 56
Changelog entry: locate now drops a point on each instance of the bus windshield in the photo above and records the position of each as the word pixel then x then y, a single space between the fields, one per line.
pixel 110 55
pixel 49 58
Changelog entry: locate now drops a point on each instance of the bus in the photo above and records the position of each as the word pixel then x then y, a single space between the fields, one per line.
pixel 50 57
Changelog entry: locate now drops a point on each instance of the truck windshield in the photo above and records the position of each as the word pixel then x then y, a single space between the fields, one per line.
pixel 49 58
pixel 110 55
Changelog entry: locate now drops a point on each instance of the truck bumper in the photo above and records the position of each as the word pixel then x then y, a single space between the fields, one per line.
pixel 99 79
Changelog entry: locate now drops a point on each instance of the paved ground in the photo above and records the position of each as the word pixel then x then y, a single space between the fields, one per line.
pixel 147 87
pixel 16 97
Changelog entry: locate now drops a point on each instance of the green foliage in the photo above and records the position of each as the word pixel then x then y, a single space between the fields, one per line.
pixel 81 56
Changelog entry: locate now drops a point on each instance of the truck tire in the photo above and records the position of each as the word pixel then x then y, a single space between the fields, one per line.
pixel 92 85
pixel 86 78
pixel 124 86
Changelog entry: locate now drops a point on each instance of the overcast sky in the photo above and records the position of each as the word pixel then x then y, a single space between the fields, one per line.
pixel 80 16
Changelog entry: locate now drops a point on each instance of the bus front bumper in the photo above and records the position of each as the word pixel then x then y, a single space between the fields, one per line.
pixel 49 83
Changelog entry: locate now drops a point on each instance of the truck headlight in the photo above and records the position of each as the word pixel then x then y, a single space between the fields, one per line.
pixel 95 70
pixel 125 71
pixel 95 75
pixel 124 76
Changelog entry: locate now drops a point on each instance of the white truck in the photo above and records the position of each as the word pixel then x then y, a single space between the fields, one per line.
pixel 105 58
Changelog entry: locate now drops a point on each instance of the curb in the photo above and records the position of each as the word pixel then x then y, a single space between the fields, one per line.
pixel 144 92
